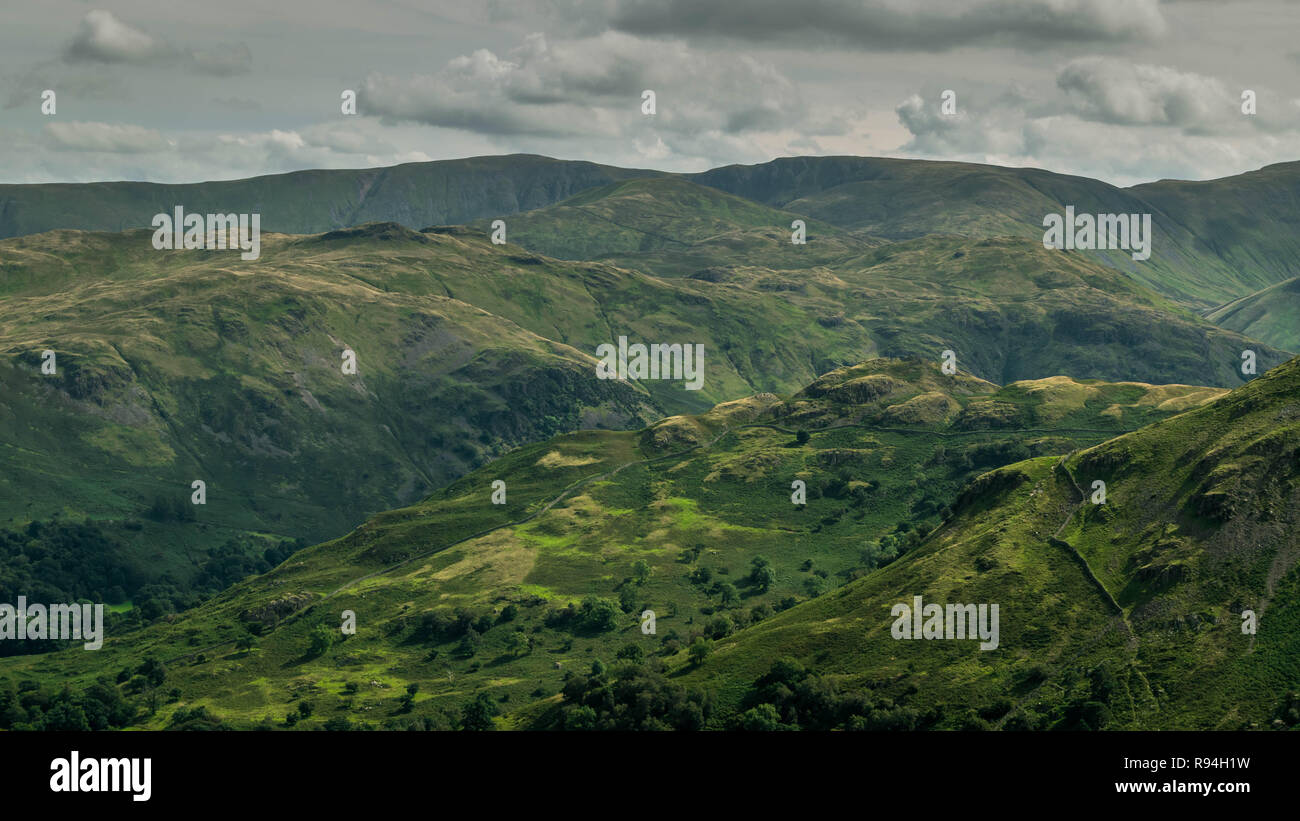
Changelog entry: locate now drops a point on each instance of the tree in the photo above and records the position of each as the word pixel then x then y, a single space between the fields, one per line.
pixel 517 642
pixel 470 644
pixel 153 671
pixel 477 714
pixel 802 436
pixel 727 593
pixel 641 571
pixel 580 718
pixel 408 700
pixel 763 718
pixel 322 638
pixel 763 578
pixel 699 651
pixel 632 652
pixel 599 615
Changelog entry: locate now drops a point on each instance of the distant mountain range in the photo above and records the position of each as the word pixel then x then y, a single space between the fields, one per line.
pixel 1216 241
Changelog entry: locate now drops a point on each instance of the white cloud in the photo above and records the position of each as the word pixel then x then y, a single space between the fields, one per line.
pixel 104 137
pixel 101 37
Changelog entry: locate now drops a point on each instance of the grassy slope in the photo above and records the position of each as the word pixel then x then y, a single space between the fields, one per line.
pixel 176 366
pixel 1273 313
pixel 183 366
pixel 899 434
pixel 669 226
pixel 1199 523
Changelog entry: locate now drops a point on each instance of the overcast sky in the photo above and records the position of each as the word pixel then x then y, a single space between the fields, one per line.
pixel 1123 90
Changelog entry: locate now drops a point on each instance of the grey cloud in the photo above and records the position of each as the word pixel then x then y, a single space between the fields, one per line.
pixel 592 88
pixel 102 38
pixel 1119 93
pixel 881 24
pixel 1120 122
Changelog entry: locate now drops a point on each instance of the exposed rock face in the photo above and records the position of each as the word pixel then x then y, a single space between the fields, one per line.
pixel 273 611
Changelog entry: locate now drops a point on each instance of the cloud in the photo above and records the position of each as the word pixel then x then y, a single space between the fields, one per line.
pixel 102 38
pixel 1118 121
pixel 1110 91
pixel 937 25
pixel 708 105
pixel 61 151
pixel 104 137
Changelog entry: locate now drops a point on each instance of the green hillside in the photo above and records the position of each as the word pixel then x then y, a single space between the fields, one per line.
pixel 692 518
pixel 1126 615
pixel 668 226
pixel 177 366
pixel 1273 313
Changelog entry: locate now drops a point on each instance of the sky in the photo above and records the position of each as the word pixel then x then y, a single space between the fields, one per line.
pixel 1126 91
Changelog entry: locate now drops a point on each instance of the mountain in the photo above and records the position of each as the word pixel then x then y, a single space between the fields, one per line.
pixel 1240 219
pixel 444 192
pixel 1125 615
pixel 179 366
pixel 186 365
pixel 692 517
pixel 1213 241
pixel 1273 313
pixel 668 226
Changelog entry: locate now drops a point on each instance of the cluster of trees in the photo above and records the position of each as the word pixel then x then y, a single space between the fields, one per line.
pixel 64 561
pixel 441 626
pixel 594 614
pixel 240 558
pixel 99 706
pixel 1287 713
pixel 1088 708
pixel 171 509
pixel 57 561
pixel 791 697
pixel 196 718
pixel 630 697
